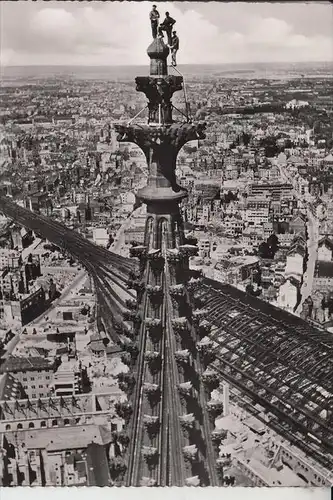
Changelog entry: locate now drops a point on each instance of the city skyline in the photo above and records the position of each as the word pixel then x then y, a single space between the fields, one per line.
pixel 94 34
pixel 166 247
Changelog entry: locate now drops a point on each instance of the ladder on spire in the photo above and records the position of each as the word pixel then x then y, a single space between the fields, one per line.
pixel 187 104
pixel 136 116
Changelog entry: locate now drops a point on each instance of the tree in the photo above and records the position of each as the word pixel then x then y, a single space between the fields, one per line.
pixel 251 291
pixel 256 276
pixel 246 138
pixel 273 242
pixel 126 382
pixel 264 251
pixel 126 358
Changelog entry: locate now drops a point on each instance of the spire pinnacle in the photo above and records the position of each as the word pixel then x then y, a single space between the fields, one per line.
pixel 158 53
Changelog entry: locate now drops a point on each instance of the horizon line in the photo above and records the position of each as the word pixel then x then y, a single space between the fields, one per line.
pixel 142 65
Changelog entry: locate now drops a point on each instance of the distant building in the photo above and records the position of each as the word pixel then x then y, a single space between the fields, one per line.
pixel 275 190
pixel 37 201
pixel 9 259
pixel 101 236
pixel 76 456
pixel 17 239
pixel 289 294
pixel 32 305
pixel 257 211
pixel 34 373
pixel 233 225
pixel 11 388
pixel 96 345
pixel 58 441
pixel 251 238
pixel 295 258
pixel 66 380
pixel 294 103
pixel 323 279
pixel 135 234
pixel 204 243
pixel 328 160
pixel 325 249
pixel 207 190
pixel 297 225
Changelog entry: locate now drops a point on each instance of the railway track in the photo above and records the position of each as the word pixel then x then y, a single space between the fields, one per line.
pixel 59 233
pixel 107 268
pixel 104 267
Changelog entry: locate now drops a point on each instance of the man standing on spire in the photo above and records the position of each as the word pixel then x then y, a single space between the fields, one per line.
pixel 174 47
pixel 154 17
pixel 167 27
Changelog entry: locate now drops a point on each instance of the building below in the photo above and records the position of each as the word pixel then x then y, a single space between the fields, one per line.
pixel 67 380
pixel 34 373
pixel 275 191
pixel 101 237
pixel 76 456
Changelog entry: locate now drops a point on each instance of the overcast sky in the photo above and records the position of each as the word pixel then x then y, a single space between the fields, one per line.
pixel 113 33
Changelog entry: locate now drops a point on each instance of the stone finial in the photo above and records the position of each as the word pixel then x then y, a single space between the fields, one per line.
pixel 158 53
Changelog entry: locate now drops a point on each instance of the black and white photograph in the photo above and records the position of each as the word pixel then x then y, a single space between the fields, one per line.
pixel 166 244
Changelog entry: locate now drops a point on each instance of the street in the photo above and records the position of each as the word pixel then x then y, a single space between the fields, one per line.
pixel 76 283
pixel 119 245
pixel 312 244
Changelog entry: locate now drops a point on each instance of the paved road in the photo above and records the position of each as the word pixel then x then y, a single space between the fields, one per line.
pixel 67 291
pixel 31 248
pixel 119 243
pixel 118 246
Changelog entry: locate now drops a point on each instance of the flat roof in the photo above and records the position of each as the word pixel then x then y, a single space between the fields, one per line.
pixel 66 438
pixel 24 364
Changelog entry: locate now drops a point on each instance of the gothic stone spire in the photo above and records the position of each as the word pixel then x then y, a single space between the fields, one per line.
pixel 168 386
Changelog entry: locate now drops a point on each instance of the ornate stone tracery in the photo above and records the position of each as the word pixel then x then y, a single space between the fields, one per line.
pixel 159 92
pixel 161 146
pixel 166 364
